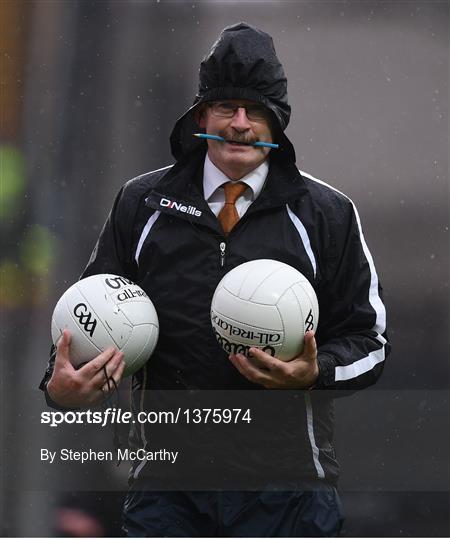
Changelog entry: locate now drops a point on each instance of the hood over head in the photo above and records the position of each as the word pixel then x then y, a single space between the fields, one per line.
pixel 242 64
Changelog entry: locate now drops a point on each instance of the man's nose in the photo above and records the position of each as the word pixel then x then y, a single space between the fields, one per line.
pixel 240 122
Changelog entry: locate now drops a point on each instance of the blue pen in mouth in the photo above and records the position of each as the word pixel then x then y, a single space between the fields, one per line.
pixel 221 139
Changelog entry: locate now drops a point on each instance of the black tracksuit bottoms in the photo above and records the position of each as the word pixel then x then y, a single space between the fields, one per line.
pixel 309 511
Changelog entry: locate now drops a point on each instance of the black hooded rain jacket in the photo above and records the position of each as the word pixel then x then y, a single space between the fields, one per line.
pixel 178 257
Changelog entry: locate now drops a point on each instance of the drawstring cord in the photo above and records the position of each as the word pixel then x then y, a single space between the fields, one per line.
pixel 109 403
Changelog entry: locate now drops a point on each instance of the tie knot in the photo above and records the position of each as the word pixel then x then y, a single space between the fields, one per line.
pixel 233 190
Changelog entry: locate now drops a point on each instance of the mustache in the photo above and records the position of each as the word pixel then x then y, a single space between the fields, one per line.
pixel 258 143
pixel 239 138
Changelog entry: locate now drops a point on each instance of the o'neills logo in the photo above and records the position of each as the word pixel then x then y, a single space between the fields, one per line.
pixel 180 207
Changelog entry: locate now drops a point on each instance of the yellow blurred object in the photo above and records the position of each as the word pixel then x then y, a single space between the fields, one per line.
pixel 12 181
pixel 36 250
pixel 12 282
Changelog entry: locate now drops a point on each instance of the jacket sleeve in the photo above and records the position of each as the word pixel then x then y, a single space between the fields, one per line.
pixel 112 254
pixel 352 337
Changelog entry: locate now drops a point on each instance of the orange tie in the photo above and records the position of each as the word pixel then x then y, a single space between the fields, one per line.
pixel 228 215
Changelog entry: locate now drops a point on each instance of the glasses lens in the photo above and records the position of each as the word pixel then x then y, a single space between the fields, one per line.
pixel 256 112
pixel 224 109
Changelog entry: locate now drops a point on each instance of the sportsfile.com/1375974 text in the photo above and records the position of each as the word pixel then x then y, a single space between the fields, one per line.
pixel 111 415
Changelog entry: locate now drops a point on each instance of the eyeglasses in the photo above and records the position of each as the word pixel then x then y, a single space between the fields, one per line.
pixel 226 109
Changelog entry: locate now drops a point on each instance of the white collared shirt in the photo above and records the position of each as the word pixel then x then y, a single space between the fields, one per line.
pixel 214 178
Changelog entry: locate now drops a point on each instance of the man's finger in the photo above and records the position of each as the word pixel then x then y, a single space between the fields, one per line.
pixel 95 365
pixel 116 377
pixel 250 372
pixel 266 360
pixel 99 378
pixel 62 350
pixel 310 346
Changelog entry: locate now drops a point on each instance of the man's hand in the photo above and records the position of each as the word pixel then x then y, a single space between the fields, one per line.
pixel 263 369
pixel 73 388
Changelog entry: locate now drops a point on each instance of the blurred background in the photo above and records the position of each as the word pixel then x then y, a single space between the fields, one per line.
pixel 90 91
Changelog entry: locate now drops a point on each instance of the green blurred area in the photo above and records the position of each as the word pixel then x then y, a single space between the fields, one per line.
pixel 25 264
pixel 36 250
pixel 26 283
pixel 12 181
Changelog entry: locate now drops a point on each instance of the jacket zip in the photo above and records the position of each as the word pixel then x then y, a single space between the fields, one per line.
pixel 222 253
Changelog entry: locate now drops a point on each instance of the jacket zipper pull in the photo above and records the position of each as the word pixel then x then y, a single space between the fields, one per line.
pixel 222 253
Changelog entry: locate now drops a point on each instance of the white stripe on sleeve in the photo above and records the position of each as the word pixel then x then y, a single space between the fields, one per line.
pixel 144 234
pixel 304 237
pixel 367 363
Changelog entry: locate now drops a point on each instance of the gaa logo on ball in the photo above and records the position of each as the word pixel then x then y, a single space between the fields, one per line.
pixel 106 310
pixel 265 304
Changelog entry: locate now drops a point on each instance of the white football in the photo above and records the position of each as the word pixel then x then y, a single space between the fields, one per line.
pixel 265 304
pixel 104 311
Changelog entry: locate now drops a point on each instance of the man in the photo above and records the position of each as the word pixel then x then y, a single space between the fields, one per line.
pixel 179 258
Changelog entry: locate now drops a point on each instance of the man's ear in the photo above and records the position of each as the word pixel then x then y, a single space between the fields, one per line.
pixel 200 116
